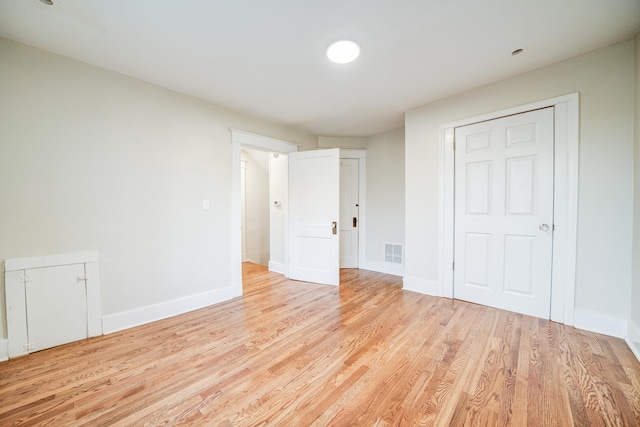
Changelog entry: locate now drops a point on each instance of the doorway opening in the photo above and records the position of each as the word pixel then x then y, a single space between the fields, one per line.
pixel 255 224
pixel 276 152
pixel 279 203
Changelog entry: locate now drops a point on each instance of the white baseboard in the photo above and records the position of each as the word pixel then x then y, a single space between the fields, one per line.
pixel 4 350
pixel 276 267
pixel 417 284
pixel 140 316
pixel 633 338
pixel 383 267
pixel 600 323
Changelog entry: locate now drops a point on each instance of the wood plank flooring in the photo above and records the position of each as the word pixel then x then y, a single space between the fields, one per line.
pixel 297 354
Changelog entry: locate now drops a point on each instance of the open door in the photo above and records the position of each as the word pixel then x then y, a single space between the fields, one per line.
pixel 314 208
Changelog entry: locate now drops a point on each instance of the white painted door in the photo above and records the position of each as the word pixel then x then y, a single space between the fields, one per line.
pixel 56 300
pixel 349 205
pixel 504 212
pixel 314 209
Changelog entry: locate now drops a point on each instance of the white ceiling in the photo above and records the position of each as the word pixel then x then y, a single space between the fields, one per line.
pixel 266 57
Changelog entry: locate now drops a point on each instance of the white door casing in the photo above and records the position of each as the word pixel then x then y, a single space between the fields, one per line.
pixel 349 213
pixel 314 209
pixel 566 138
pixel 504 212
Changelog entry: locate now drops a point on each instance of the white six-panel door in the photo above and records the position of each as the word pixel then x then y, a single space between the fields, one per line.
pixel 314 208
pixel 349 213
pixel 504 212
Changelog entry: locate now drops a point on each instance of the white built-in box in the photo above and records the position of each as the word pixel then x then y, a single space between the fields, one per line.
pixel 51 300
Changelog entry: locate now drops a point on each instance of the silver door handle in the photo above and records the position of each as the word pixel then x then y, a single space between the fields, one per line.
pixel 544 227
pixel 334 227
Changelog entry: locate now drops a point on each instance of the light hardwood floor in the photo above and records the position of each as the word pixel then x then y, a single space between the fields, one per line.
pixel 296 354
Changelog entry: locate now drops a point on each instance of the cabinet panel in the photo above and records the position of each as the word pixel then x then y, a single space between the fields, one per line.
pixel 51 300
pixel 56 306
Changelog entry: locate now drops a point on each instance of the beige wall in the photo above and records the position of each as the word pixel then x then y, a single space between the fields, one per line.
pixel 604 79
pixel 93 160
pixel 342 142
pixel 635 297
pixel 385 192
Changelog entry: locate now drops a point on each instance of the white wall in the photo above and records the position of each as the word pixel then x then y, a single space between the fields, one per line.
pixel 385 192
pixel 604 79
pixel 257 206
pixel 278 184
pixel 93 160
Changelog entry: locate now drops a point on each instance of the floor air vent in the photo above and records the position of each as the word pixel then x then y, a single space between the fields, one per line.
pixel 393 253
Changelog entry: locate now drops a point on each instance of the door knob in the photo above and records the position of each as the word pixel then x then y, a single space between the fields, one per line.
pixel 334 227
pixel 544 227
pixel 355 222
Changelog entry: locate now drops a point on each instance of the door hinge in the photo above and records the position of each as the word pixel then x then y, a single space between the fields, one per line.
pixel 454 146
pixel 453 265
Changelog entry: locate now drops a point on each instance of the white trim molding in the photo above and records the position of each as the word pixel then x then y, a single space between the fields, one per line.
pixel 566 114
pixel 594 321
pixel 263 143
pixel 50 261
pixel 151 313
pixel 418 284
pixel 276 267
pixel 383 267
pixel 633 338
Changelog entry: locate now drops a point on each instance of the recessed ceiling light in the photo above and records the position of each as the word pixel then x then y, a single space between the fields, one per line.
pixel 47 2
pixel 517 52
pixel 343 51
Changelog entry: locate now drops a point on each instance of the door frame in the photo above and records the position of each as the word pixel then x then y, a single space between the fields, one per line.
pixel 361 156
pixel 566 135
pixel 240 139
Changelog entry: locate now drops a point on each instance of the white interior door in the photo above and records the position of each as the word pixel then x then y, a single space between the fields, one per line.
pixel 504 212
pixel 314 208
pixel 349 213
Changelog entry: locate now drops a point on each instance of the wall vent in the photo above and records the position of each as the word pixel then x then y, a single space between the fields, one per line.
pixel 393 253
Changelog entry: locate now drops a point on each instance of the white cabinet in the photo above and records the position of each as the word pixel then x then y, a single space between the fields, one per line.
pixel 52 301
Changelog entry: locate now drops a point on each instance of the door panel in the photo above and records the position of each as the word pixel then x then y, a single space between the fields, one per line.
pixel 314 191
pixel 503 195
pixel 348 211
pixel 56 306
